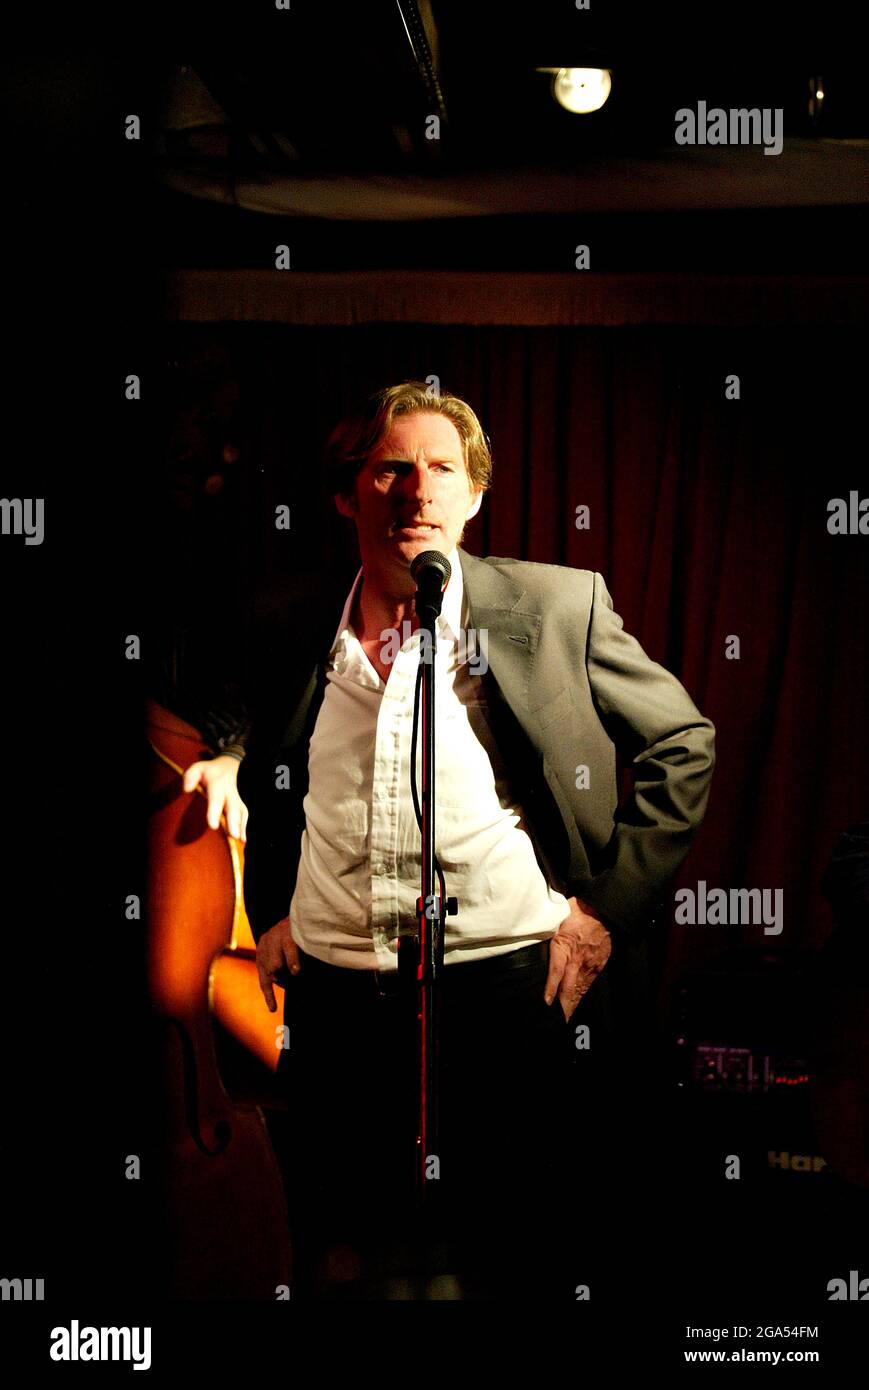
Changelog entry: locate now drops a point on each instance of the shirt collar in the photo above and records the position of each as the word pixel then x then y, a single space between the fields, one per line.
pixel 449 619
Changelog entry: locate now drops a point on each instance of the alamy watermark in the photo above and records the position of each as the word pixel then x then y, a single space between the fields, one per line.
pixel 23 516
pixel 737 126
pixel 76 1343
pixel 856 1289
pixel 472 646
pixel 732 907
pixel 848 518
pixel 22 1290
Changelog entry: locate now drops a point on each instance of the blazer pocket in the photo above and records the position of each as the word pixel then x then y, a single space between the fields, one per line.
pixel 556 707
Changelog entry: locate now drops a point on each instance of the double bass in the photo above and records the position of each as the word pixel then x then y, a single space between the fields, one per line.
pixel 223 1193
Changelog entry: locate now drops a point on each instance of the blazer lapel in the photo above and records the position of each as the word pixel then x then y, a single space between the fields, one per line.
pixel 496 606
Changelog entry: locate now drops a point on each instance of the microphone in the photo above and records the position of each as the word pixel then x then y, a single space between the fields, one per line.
pixel 432 571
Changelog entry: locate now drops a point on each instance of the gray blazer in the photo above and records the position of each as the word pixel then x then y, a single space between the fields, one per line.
pixel 567 688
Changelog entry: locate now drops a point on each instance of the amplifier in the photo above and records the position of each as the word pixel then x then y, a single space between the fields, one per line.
pixel 740 1038
pixel 743 1070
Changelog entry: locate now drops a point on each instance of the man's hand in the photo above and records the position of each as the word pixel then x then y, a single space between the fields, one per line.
pixel 276 951
pixel 577 954
pixel 218 776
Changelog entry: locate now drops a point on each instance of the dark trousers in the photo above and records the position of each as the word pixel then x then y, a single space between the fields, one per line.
pixel 505 1100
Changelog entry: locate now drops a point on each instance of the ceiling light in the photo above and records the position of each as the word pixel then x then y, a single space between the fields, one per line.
pixel 581 89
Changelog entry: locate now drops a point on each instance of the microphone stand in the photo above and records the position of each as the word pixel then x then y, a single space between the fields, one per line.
pixel 429 928
pixel 421 956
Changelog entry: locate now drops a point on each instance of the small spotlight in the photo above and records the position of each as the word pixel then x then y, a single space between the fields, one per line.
pixel 581 89
pixel 816 99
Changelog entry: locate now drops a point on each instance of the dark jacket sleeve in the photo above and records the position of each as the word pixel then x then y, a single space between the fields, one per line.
pixel 290 633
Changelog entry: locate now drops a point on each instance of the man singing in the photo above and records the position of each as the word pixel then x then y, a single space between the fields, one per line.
pixel 538 688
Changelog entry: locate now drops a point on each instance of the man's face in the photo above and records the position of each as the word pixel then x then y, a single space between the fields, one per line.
pixel 416 475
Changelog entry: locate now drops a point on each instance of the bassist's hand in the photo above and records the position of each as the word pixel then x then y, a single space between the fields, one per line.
pixel 218 778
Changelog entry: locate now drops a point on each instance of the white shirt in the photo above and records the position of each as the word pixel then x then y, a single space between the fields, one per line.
pixel 359 870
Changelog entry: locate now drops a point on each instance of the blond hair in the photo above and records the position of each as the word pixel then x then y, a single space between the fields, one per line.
pixel 356 437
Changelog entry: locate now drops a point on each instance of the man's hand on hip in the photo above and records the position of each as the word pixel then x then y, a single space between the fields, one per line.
pixel 577 954
pixel 276 951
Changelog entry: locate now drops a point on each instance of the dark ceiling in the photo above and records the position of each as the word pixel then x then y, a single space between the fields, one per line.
pixel 324 111
pixel 310 125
